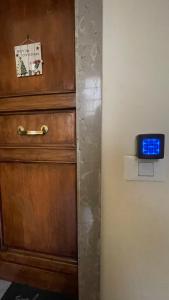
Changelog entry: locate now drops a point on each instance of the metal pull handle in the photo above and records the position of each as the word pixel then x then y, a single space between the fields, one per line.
pixel 22 131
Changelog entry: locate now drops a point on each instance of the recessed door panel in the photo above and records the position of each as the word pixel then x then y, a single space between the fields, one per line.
pixel 50 22
pixel 39 207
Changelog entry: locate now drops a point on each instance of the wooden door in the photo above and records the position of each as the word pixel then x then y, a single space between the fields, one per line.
pixel 38 228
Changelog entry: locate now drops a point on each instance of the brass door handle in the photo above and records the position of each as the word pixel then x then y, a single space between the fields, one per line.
pixel 21 131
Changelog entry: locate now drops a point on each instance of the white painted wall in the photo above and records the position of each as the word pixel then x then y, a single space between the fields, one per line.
pixel 135 215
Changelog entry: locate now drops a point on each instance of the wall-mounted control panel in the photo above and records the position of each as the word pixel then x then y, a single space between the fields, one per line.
pixel 148 163
pixel 150 146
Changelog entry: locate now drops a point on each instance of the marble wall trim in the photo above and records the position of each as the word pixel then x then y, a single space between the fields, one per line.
pixel 89 87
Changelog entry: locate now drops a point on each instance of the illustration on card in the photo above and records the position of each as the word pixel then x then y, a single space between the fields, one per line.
pixel 28 60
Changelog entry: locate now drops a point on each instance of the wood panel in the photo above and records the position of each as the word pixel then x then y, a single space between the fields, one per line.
pixel 61 127
pixel 44 262
pixel 59 282
pixel 50 22
pixel 45 102
pixel 39 208
pixel 37 155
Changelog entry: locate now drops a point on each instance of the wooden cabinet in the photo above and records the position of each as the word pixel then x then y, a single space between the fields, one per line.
pixel 38 208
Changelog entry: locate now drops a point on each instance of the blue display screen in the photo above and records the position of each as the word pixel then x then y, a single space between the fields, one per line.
pixel 151 146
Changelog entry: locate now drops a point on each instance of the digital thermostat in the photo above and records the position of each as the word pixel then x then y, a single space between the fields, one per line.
pixel 150 146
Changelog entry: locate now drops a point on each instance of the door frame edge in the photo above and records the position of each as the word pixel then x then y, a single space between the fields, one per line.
pixel 88 30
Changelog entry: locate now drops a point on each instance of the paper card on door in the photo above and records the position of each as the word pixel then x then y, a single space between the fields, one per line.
pixel 28 60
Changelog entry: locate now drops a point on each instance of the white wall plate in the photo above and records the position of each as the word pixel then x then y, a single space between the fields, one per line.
pixel 145 170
